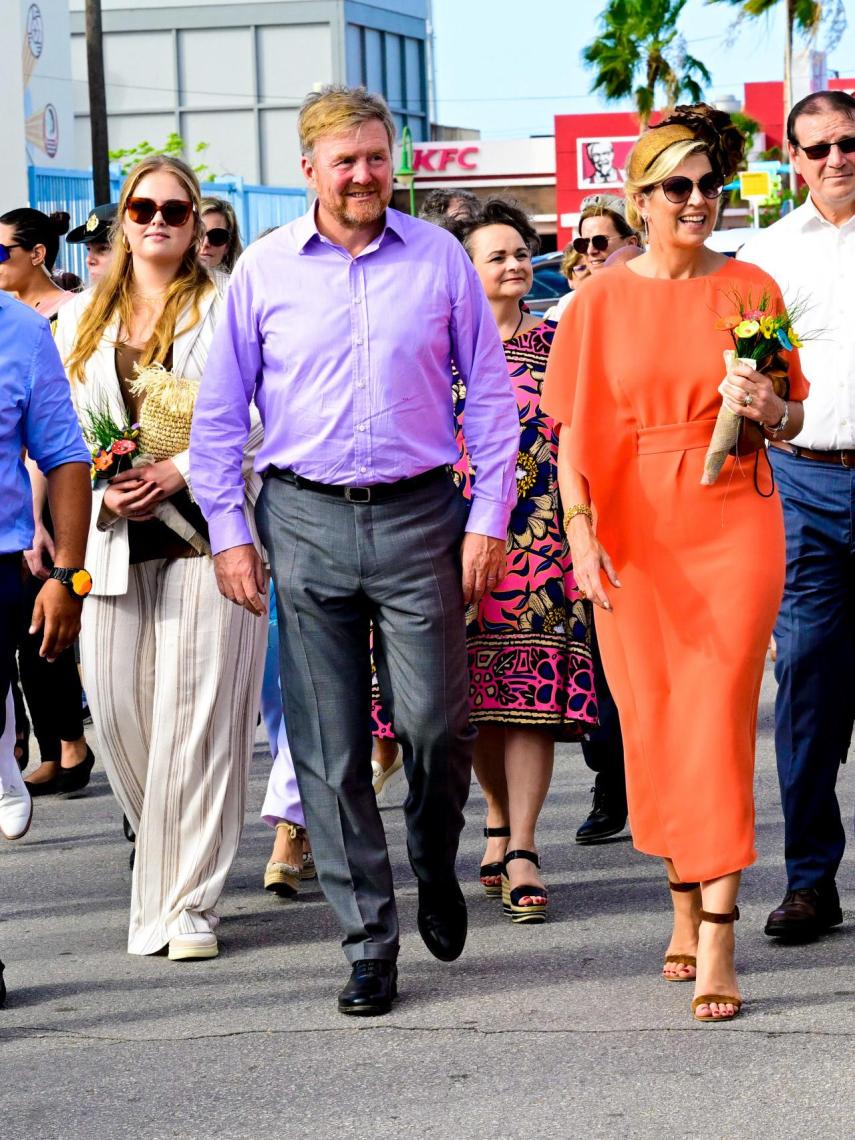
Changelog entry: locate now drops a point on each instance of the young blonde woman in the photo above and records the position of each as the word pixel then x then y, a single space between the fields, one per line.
pixel 172 670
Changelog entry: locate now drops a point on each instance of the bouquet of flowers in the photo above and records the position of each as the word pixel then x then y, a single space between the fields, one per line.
pixel 760 338
pixel 112 445
pixel 115 448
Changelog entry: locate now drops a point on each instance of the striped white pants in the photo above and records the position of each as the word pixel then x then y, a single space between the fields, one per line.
pixel 172 673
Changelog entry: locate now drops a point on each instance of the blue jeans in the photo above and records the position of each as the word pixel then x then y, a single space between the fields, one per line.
pixel 815 669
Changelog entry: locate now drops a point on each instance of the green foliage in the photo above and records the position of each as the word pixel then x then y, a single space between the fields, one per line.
pixel 635 55
pixel 749 128
pixel 128 157
pixel 804 14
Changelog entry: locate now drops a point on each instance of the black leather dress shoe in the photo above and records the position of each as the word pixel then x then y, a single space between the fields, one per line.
pixel 372 988
pixel 805 914
pixel 607 818
pixel 443 921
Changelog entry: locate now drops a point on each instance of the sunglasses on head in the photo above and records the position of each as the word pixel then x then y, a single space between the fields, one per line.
pixel 174 212
pixel 599 242
pixel 679 189
pixel 217 237
pixel 823 150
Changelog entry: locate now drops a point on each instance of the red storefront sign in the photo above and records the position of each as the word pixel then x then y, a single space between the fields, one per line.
pixel 436 159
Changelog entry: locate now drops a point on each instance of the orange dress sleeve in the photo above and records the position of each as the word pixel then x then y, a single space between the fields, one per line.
pixel 581 394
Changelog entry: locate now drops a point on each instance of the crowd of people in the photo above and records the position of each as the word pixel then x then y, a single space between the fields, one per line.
pixel 436 543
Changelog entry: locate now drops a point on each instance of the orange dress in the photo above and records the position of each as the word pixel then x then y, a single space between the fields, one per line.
pixel 633 377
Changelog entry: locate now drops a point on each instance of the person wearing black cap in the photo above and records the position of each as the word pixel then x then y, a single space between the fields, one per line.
pixel 96 232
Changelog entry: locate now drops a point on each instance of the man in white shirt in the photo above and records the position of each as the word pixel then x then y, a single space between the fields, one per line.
pixel 811 254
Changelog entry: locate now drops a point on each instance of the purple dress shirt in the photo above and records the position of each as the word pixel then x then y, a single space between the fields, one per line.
pixel 348 360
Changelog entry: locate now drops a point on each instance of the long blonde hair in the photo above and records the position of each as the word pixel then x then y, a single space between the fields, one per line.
pixel 113 294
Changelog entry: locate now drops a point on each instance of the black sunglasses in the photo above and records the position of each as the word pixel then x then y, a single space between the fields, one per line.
pixel 174 212
pixel 823 150
pixel 599 242
pixel 4 252
pixel 679 189
pixel 218 237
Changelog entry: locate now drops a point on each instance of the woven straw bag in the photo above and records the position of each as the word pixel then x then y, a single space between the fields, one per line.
pixel 166 412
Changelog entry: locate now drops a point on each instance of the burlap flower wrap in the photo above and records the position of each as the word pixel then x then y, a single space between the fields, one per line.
pixel 166 414
pixel 165 419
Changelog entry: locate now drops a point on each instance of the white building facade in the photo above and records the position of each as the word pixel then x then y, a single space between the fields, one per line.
pixel 233 75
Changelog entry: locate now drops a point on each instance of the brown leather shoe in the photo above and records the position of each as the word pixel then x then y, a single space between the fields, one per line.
pixel 804 915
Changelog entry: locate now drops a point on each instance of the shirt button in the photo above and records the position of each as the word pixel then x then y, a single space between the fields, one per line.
pixel 360 427
pixel 362 470
pixel 360 383
pixel 357 300
pixel 359 340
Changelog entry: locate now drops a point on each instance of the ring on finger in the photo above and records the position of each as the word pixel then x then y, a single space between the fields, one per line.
pixel 748 400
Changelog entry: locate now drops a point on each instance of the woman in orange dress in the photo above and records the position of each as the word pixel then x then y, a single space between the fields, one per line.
pixel 686 579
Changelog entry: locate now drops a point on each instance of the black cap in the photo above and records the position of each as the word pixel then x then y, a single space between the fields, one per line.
pixel 97 226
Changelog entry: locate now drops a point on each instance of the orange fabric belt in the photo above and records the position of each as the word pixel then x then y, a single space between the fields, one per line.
pixel 675 437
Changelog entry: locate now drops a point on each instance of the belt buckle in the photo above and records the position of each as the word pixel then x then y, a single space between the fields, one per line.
pixel 846 459
pixel 358 494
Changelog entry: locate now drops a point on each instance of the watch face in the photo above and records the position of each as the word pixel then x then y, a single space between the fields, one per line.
pixel 81 582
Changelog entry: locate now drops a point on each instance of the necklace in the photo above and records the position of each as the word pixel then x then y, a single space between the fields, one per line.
pixel 519 325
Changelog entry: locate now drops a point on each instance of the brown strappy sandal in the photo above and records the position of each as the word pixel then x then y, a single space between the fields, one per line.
pixel 680 959
pixel 719 999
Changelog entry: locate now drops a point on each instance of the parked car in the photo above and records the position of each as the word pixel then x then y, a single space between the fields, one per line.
pixel 730 241
pixel 549 284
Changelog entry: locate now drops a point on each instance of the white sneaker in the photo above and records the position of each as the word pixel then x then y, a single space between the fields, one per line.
pixel 389 785
pixel 200 944
pixel 16 807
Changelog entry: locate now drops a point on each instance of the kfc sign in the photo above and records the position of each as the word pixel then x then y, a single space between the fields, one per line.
pixel 438 159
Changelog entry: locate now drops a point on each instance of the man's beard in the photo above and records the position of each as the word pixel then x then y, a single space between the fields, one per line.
pixel 354 215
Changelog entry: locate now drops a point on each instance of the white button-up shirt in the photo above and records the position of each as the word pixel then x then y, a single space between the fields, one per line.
pixel 813 262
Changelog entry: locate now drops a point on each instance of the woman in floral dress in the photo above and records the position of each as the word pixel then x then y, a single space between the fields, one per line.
pixel 529 644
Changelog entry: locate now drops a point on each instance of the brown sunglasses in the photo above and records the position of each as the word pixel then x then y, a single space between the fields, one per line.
pixel 174 211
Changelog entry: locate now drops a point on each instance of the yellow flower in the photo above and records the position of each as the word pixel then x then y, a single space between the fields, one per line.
pixel 794 339
pixel 746 329
pixel 767 327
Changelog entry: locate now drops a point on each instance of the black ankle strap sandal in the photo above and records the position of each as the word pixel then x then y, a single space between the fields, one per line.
pixel 512 904
pixel 492 872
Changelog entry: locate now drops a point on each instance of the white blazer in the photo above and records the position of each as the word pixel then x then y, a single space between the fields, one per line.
pixel 107 549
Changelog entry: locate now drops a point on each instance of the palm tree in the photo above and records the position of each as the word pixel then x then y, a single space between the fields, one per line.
pixel 640 50
pixel 803 16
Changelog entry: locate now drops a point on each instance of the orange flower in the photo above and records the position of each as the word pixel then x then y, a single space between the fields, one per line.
pixel 725 324
pixel 102 460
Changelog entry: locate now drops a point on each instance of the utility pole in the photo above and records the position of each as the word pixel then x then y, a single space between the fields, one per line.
pixel 789 20
pixel 97 103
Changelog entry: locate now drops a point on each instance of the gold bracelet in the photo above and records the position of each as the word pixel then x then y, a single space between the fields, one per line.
pixel 577 509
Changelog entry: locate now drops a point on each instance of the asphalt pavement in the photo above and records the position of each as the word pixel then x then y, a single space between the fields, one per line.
pixel 560 1030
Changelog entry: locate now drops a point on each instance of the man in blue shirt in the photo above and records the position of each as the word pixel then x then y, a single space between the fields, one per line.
pixel 36 416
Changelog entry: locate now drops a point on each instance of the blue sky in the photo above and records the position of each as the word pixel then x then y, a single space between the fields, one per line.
pixel 507 66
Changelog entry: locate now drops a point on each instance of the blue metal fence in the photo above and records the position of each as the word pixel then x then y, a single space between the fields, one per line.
pixel 257 207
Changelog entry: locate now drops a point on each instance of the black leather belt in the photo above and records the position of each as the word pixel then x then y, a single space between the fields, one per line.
pixel 376 493
pixel 844 458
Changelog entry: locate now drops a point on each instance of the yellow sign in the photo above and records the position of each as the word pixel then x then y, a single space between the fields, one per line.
pixel 755 184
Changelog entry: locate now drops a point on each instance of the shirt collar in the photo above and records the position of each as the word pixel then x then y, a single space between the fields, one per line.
pixel 306 228
pixel 810 215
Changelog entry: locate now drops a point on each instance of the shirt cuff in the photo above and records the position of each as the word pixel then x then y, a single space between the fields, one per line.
pixel 487 517
pixel 228 530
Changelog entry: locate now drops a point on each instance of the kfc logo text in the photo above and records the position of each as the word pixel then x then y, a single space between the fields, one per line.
pixel 438 158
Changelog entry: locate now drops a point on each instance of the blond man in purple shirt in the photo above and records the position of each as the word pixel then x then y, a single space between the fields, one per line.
pixel 342 327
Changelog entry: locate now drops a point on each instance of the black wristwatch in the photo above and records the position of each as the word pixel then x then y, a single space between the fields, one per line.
pixel 76 580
